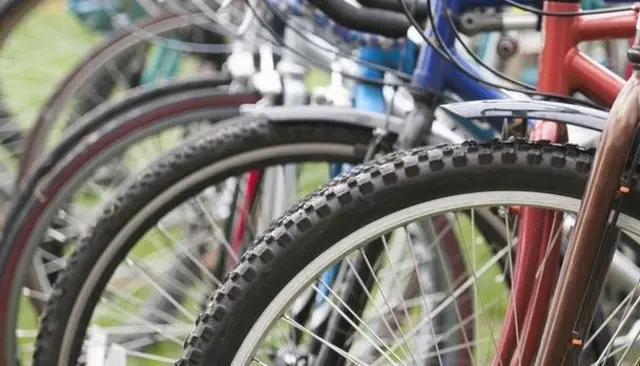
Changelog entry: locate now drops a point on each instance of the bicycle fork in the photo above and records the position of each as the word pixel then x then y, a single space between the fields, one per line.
pixel 589 255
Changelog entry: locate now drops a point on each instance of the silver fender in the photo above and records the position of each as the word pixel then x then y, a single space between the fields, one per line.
pixel 573 115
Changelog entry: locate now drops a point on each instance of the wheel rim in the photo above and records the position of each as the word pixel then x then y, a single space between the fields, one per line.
pixel 367 233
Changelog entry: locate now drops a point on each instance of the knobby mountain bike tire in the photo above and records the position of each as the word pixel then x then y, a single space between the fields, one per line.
pixel 357 201
pixel 97 136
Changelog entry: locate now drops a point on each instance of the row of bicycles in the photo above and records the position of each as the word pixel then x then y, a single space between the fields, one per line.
pixel 319 182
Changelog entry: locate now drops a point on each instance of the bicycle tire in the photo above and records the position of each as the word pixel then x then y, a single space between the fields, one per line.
pixel 170 180
pixel 104 128
pixel 396 182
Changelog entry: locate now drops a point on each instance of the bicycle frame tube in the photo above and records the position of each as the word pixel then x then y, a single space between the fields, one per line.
pixel 570 70
pixel 430 68
pixel 563 70
pixel 369 97
pixel 571 309
pixel 248 201
pixel 578 72
pixel 434 74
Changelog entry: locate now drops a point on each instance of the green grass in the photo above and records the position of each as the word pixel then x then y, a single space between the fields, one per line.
pixel 37 54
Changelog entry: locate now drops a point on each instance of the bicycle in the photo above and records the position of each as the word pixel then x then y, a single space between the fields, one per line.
pixel 70 297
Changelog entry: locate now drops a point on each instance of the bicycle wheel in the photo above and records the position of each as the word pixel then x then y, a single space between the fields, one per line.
pixel 173 182
pixel 377 200
pixel 138 127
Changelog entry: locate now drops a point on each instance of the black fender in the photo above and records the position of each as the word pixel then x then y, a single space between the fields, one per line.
pixel 347 115
pixel 575 115
pixel 325 114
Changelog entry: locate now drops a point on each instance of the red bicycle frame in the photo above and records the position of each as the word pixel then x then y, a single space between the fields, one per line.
pixel 242 216
pixel 563 69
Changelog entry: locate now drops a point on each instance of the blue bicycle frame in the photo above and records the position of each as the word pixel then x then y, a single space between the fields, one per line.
pixel 432 73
